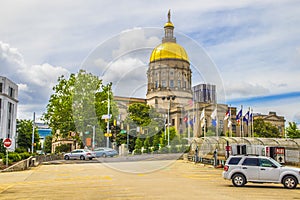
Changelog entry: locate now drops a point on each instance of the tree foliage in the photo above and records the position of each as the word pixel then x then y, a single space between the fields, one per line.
pixel 265 129
pixel 59 109
pixel 24 129
pixel 48 144
pixel 78 104
pixel 292 130
pixel 2 148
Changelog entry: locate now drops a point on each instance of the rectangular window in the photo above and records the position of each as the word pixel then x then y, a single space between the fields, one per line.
pixel 163 83
pixel 1 86
pixel 171 83
pixel 173 122
pixel 234 161
pixel 179 83
pixel 251 162
pixel 156 84
pixel 11 92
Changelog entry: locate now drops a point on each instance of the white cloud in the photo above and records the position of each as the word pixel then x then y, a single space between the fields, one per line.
pixel 23 87
pixel 134 40
pixel 39 74
pixel 128 76
pixel 255 44
pixel 244 89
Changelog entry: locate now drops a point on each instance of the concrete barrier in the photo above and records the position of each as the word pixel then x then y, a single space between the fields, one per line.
pixel 31 162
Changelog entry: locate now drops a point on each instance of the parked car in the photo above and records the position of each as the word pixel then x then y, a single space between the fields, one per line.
pixel 81 154
pixel 105 152
pixel 259 169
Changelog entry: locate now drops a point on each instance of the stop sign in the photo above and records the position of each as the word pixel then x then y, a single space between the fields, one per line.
pixel 7 142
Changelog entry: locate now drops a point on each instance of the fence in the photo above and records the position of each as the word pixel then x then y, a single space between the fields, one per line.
pixel 207 145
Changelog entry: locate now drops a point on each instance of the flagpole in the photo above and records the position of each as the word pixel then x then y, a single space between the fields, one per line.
pixel 217 129
pixel 248 127
pixel 188 120
pixel 252 131
pixel 204 134
pixel 229 121
pixel 242 121
pixel 196 123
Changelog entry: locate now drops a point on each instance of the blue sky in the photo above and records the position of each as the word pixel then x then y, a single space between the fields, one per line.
pixel 249 48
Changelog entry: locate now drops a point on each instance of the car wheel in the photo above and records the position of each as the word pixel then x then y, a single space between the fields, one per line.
pixel 82 158
pixel 90 158
pixel 67 157
pixel 238 180
pixel 104 155
pixel 290 182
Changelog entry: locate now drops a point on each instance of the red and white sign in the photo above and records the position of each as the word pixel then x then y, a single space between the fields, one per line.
pixel 280 150
pixel 7 142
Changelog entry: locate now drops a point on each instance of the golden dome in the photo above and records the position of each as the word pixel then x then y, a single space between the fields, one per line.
pixel 169 24
pixel 169 50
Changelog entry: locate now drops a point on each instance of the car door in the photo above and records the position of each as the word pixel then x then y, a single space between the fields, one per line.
pixel 268 171
pixel 73 154
pixel 250 167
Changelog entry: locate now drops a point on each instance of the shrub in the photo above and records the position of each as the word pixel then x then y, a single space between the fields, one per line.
pixel 20 150
pixel 137 151
pixel 63 148
pixel 25 155
pixel 164 150
pixel 4 161
pixel 15 157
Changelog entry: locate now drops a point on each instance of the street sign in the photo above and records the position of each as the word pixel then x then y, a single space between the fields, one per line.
pixel 107 134
pixel 106 116
pixel 7 142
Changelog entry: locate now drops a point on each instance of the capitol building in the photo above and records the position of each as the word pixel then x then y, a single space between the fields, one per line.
pixel 190 109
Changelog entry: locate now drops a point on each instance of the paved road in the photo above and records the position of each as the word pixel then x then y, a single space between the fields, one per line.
pixel 176 180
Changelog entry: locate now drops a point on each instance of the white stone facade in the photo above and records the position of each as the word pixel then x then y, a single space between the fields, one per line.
pixel 8 110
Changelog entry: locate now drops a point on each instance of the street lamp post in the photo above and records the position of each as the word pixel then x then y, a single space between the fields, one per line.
pixel 172 97
pixel 108 105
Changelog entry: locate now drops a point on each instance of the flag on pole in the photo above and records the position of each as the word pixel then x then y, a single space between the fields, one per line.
pixel 227 114
pixel 246 118
pixel 238 117
pixel 185 119
pixel 214 114
pixel 214 117
pixel 192 121
pixel 202 114
pixel 229 123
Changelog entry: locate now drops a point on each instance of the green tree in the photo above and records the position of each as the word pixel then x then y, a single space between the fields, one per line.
pixel 78 104
pixel 138 145
pixel 24 129
pixel 48 144
pixel 59 114
pixel 292 130
pixel 147 144
pixel 265 129
pixel 2 148
pixel 139 114
pixel 156 142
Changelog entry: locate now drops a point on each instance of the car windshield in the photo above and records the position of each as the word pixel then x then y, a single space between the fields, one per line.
pixel 275 162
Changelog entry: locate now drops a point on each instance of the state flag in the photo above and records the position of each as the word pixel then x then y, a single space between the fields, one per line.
pixel 227 114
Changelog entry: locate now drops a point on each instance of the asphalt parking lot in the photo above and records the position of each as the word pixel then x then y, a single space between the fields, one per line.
pixel 159 179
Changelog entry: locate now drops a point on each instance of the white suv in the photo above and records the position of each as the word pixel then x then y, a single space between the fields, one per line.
pixel 259 169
